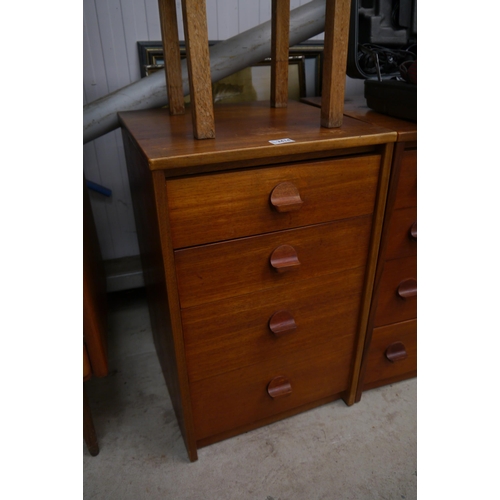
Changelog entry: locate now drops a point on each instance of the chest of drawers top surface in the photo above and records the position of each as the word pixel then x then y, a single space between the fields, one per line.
pixel 356 108
pixel 243 133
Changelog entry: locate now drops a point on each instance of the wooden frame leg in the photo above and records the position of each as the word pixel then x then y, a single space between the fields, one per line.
pixel 194 13
pixel 280 34
pixel 172 56
pixel 89 434
pixel 335 62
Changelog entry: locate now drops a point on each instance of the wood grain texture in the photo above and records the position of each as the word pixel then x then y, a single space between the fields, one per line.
pixel 391 307
pixel 174 334
pixel 240 397
pixel 222 270
pixel 400 243
pixel 404 152
pixel 380 370
pixel 233 333
pixel 198 61
pixel 243 133
pixel 235 431
pixel 335 62
pixel 172 55
pixel 407 185
pixel 400 150
pixel 371 268
pixel 148 196
pixel 355 107
pixel 225 352
pixel 280 32
pixel 237 204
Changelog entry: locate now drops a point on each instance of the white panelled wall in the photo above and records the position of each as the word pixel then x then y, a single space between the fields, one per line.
pixel 111 30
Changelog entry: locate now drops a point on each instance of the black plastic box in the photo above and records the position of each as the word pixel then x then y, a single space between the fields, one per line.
pixel 391 97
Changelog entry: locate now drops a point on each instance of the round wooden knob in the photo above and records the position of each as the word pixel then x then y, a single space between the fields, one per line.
pixel 279 387
pixel 396 352
pixel 282 322
pixel 284 258
pixel 413 231
pixel 407 288
pixel 285 197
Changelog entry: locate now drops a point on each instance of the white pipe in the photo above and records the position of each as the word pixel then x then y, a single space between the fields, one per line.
pixel 227 57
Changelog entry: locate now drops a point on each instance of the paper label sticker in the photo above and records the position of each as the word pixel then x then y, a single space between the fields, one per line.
pixel 281 141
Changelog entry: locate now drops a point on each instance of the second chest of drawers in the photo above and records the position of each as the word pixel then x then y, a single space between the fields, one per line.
pixel 391 348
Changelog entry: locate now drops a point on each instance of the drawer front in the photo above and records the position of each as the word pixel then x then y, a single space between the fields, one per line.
pixel 219 271
pixel 402 234
pixel 393 352
pixel 237 204
pixel 407 187
pixel 398 295
pixel 272 324
pixel 241 397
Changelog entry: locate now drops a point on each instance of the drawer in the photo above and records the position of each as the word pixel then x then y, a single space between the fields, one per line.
pixel 215 272
pixel 407 187
pixel 218 207
pixel 402 234
pixel 393 353
pixel 398 295
pixel 241 397
pixel 281 322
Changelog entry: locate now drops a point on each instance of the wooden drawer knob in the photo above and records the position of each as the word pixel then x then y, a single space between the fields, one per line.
pixel 407 288
pixel 413 231
pixel 282 322
pixel 279 387
pixel 284 258
pixel 396 352
pixel 285 197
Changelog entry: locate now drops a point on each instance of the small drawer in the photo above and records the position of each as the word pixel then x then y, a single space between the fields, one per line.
pixel 241 397
pixel 210 208
pixel 393 354
pixel 276 323
pixel 402 234
pixel 398 292
pixel 215 272
pixel 407 187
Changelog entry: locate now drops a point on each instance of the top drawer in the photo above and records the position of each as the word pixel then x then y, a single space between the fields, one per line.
pixel 218 207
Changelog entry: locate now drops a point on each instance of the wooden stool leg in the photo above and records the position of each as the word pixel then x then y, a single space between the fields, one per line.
pixel 280 34
pixel 89 434
pixel 335 62
pixel 172 55
pixel 194 15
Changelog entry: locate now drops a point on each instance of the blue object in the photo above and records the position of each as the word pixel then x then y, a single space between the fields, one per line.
pixel 99 189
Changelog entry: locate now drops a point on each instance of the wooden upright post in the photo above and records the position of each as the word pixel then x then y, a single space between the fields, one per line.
pixel 280 33
pixel 198 59
pixel 171 55
pixel 335 62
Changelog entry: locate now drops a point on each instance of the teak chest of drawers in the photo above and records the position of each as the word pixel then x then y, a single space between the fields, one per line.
pixel 391 341
pixel 259 258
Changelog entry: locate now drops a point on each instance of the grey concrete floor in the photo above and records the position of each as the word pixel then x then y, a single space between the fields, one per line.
pixel 366 451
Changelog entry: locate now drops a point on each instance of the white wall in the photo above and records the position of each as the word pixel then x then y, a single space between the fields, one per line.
pixel 111 30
